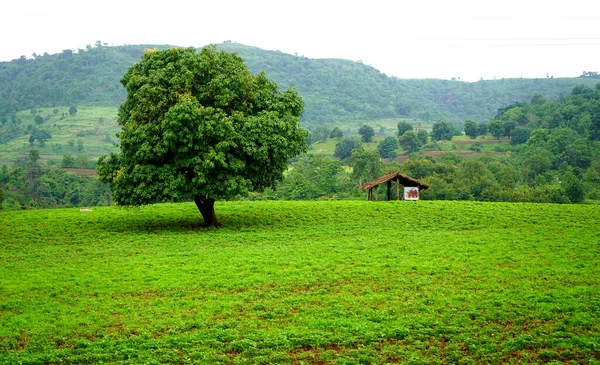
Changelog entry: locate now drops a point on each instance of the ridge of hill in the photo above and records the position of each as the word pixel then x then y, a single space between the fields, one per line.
pixel 336 91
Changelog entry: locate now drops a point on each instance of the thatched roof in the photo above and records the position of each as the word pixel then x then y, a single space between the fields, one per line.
pixel 396 176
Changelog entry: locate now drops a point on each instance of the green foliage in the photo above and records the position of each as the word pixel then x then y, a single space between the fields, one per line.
pixel 198 124
pixel 366 133
pixel 423 137
pixel 319 133
pixel 344 148
pixel 483 129
pixel 350 282
pixel 314 177
pixel 409 141
pixel 443 131
pixel 404 126
pixel 573 188
pixel 366 165
pixel 1 198
pixel 519 135
pixel 496 128
pixel 387 147
pixel 336 133
pixel 471 129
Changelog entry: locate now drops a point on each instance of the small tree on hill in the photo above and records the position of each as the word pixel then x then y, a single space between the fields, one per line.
pixel 496 128
pixel 387 147
pixel 442 131
pixel 344 148
pixel 483 130
pixel 404 126
pixel 366 133
pixel 409 141
pixel 199 125
pixel 471 129
pixel 72 110
pixel 336 133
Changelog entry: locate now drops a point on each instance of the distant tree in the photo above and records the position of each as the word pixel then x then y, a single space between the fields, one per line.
pixel 509 125
pixel 496 128
pixel 538 138
pixel 404 126
pixel 201 126
pixel 506 176
pixel 387 147
pixel 344 148
pixel 538 161
pixel 68 161
pixel 366 132
pixel 409 141
pixel 573 188
pixel 471 129
pixel 336 133
pixel 33 174
pixel 519 135
pixel 38 119
pixel 55 111
pixel 419 167
pixel 366 165
pixel 41 135
pixel 423 136
pixel 320 133
pixel 483 129
pixel 1 197
pixel 442 131
pixel 72 110
pixel 80 146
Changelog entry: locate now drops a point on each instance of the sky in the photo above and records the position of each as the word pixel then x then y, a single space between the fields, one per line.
pixel 462 39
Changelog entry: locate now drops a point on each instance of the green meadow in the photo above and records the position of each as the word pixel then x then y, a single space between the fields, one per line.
pixel 322 282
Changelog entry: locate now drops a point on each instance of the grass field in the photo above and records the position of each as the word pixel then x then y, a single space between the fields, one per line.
pixel 350 282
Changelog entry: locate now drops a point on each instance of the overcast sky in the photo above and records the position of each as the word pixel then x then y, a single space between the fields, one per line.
pixel 408 39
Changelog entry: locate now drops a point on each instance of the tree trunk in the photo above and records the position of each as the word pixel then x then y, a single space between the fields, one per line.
pixel 206 206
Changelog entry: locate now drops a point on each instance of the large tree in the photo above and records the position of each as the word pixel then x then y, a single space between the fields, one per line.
pixel 199 125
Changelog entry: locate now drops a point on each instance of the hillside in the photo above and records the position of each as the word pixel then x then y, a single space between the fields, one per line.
pixel 356 283
pixel 335 91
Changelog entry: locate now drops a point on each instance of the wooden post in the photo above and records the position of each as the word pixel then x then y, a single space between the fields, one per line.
pixel 389 190
pixel 377 193
pixel 397 189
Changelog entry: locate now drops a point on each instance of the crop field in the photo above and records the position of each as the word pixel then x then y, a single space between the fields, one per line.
pixel 326 282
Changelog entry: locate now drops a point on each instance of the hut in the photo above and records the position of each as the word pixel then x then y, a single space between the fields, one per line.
pixel 399 178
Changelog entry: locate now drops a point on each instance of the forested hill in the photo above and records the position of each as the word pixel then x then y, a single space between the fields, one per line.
pixel 335 91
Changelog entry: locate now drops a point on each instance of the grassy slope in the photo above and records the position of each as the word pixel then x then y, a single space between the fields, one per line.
pixel 302 282
pixel 84 126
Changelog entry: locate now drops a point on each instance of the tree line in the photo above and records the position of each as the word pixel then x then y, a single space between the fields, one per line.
pixel 29 183
pixel 553 156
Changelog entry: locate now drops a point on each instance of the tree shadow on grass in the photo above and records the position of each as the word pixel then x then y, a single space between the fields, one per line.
pixel 176 223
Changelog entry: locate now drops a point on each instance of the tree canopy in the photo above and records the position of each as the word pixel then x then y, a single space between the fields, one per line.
pixel 366 133
pixel 199 125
